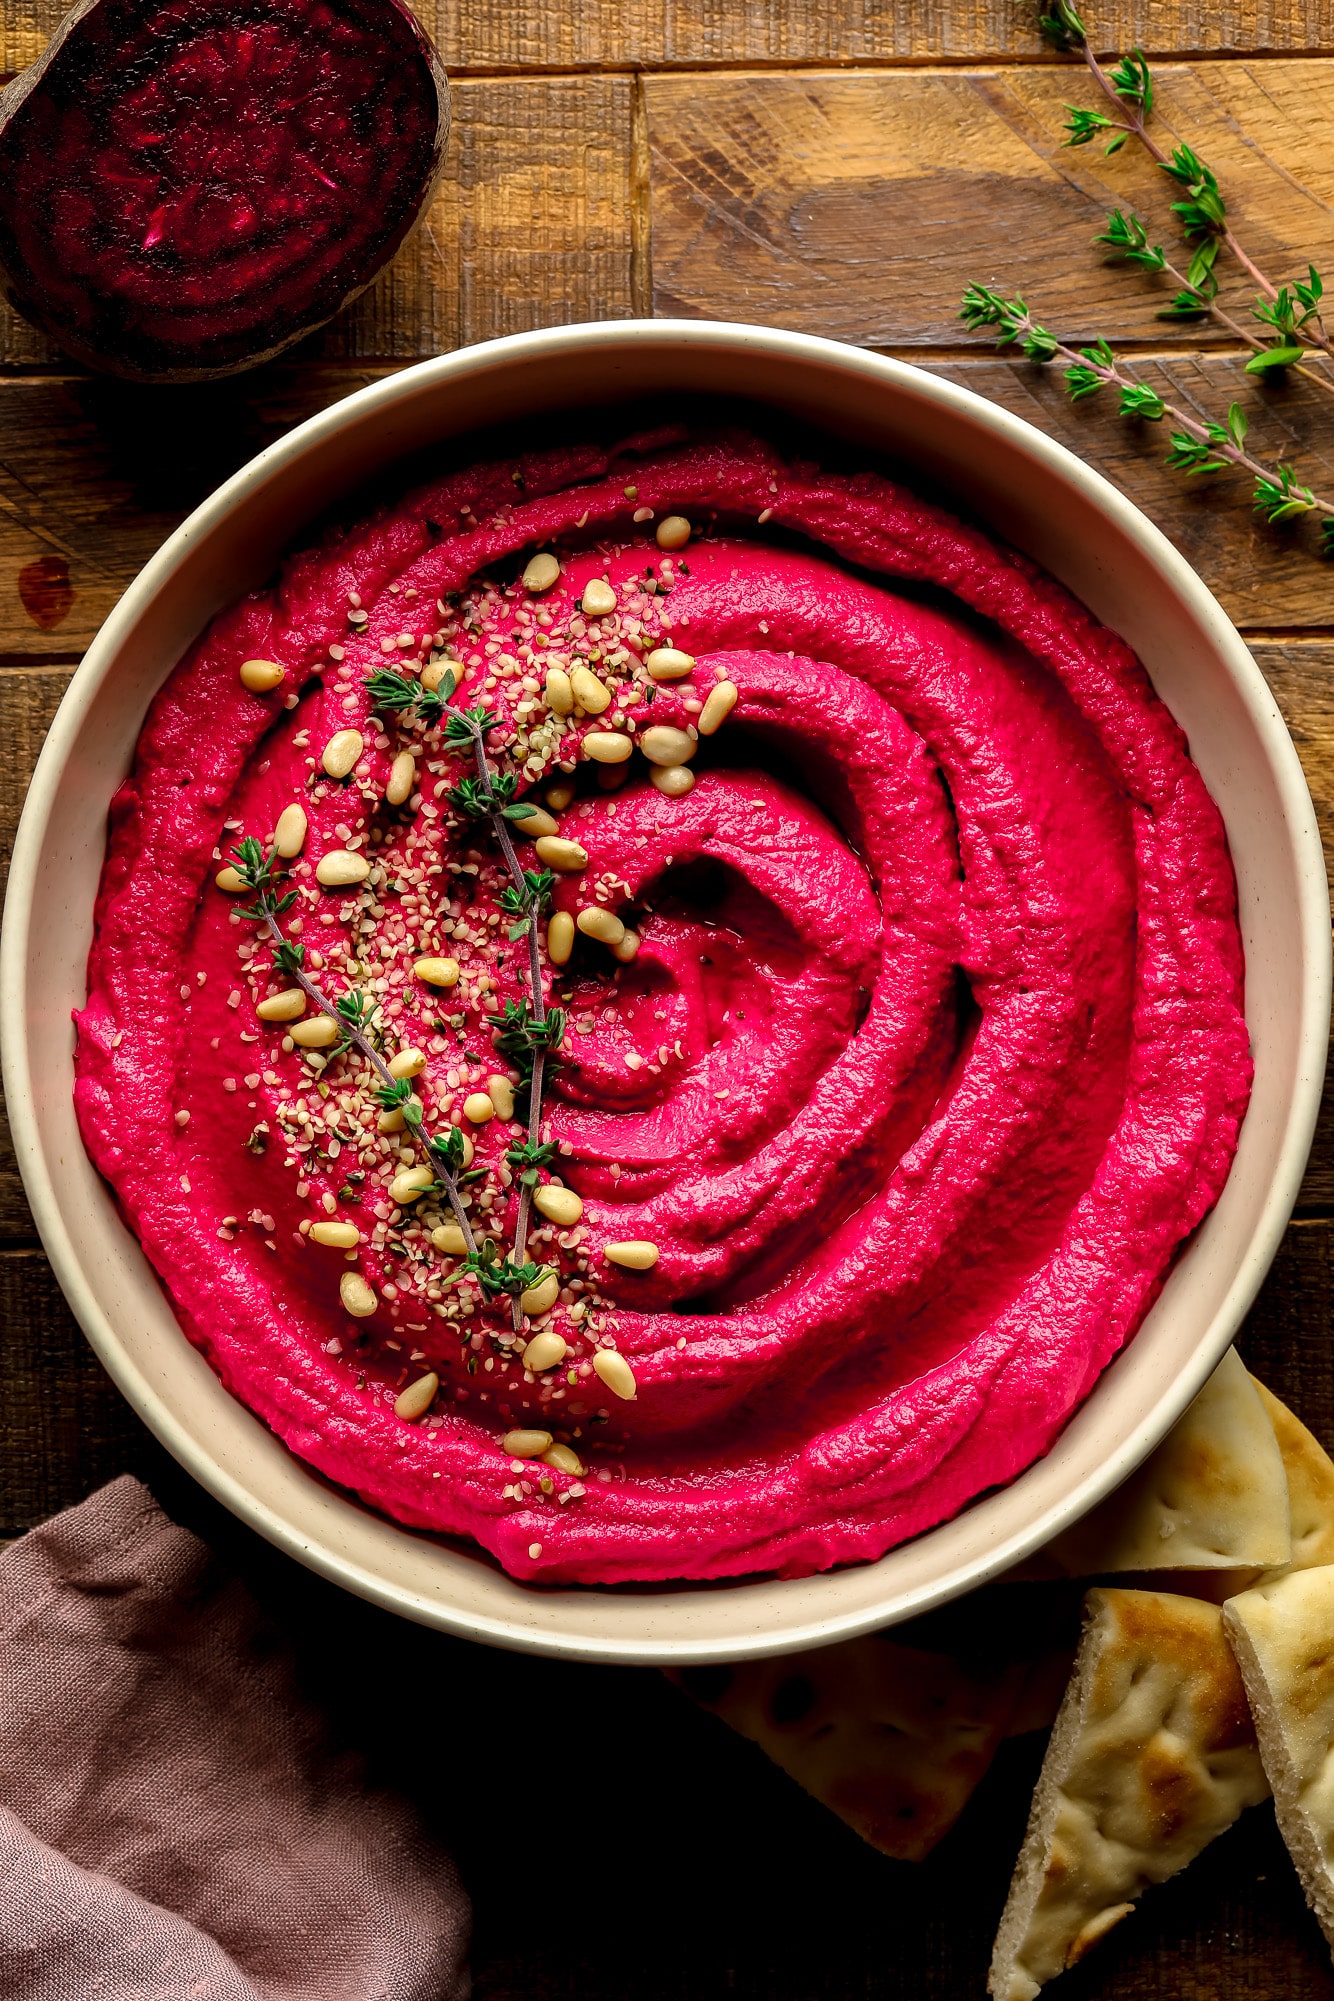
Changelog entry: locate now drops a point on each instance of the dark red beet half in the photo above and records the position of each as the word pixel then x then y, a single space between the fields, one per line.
pixel 188 186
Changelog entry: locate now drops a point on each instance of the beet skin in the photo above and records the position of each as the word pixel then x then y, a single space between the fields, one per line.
pixel 187 186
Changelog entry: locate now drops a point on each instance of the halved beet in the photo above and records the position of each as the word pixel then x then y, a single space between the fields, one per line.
pixel 188 186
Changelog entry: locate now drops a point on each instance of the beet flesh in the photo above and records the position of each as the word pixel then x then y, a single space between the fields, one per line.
pixel 187 187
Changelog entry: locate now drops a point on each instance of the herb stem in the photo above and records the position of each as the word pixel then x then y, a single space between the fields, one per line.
pixel 366 1048
pixel 1137 124
pixel 1133 120
pixel 515 867
pixel 1243 333
pixel 1114 377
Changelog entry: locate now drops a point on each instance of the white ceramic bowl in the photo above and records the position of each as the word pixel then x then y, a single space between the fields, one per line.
pixel 1038 496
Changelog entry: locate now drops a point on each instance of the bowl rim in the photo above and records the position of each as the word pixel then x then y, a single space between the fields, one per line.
pixel 324 1555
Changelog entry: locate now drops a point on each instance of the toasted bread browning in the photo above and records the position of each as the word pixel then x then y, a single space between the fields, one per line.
pixel 1151 1756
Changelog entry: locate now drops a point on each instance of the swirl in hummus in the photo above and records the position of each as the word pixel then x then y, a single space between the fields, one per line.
pixel 930 1056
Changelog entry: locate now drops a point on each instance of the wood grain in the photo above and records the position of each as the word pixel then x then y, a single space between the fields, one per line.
pixel 532 226
pixel 1266 579
pixel 91 472
pixel 28 700
pixel 95 473
pixel 861 205
pixel 66 1429
pixel 624 34
pixel 655 34
pixel 1301 674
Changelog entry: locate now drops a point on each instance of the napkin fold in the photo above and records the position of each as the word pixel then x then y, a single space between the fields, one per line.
pixel 176 1823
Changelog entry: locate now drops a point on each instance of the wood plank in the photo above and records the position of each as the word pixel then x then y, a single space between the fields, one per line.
pixel 28 700
pixel 92 478
pixel 532 226
pixel 1301 674
pixel 66 1426
pixel 658 34
pixel 1265 578
pixel 860 205
pixel 655 34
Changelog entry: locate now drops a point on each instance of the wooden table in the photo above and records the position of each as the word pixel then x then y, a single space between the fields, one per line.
pixel 843 166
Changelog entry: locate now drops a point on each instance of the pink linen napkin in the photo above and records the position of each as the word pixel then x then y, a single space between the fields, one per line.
pixel 175 1823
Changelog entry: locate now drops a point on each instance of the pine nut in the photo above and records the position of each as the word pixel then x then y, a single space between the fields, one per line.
pixel 407 1063
pixel 449 1240
pixel 541 1297
pixel 616 1373
pixel 558 1205
pixel 564 1459
pixel 342 751
pixel 672 532
pixel 261 676
pixel 534 824
pixel 402 779
pixel 321 1031
pixel 597 923
pixel 228 879
pixel 560 937
pixel 666 746
pixel 338 1236
pixel 501 1093
pixel 628 947
pixel 560 795
pixel 722 700
pixel 589 692
pixel 566 857
pixel 598 599
pixel 437 972
pixel 478 1107
pixel 633 1255
pixel 340 868
pixel 544 1351
pixel 289 1005
pixel 675 780
pixel 434 672
pixel 411 1185
pixel 526 1444
pixel 359 1299
pixel 669 663
pixel 289 836
pixel 559 694
pixel 394 1121
pixel 607 746
pixel 417 1398
pixel 541 572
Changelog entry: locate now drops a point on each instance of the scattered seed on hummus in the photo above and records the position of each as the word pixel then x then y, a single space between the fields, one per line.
pixel 891 1037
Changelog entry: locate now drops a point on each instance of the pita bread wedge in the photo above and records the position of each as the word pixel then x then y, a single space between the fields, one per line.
pixel 1310 1476
pixel 1283 1637
pixel 893 1739
pixel 1214 1496
pixel 1151 1756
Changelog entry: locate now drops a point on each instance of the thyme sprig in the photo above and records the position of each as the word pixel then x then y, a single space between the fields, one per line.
pixel 527 1031
pixel 258 869
pixel 1290 312
pixel 1199 446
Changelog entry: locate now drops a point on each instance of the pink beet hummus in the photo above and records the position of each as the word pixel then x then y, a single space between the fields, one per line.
pixel 930 1056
